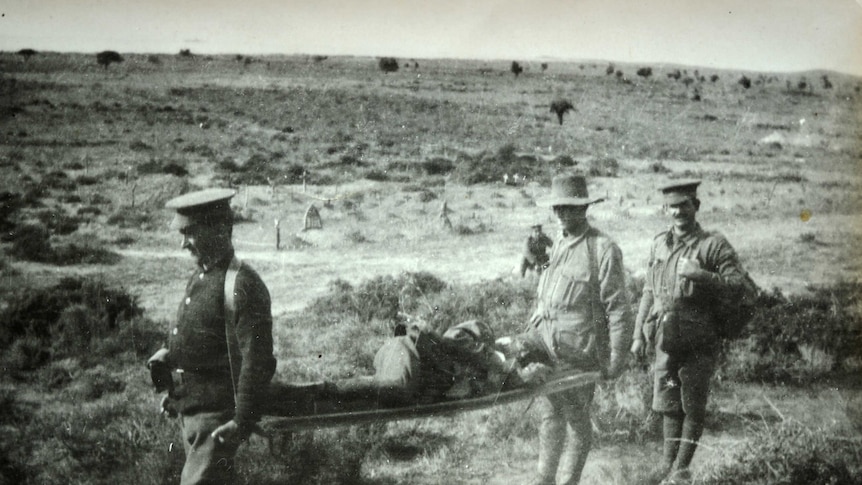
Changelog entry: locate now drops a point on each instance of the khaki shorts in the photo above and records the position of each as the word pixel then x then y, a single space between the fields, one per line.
pixel 682 383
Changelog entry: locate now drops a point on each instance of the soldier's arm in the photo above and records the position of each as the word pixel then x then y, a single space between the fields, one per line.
pixel 614 297
pixel 254 335
pixel 646 300
pixel 722 271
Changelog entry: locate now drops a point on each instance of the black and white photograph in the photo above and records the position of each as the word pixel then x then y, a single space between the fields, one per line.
pixel 383 242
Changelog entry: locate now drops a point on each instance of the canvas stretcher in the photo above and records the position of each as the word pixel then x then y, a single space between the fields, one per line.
pixel 284 410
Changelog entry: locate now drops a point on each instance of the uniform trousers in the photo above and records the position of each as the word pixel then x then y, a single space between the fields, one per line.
pixel 208 461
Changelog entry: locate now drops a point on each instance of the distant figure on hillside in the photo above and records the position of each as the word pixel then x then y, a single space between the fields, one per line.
pixel 444 215
pixel 312 219
pixel 536 251
pixel 690 271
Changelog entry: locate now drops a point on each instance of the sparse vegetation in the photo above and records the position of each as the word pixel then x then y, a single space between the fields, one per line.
pixel 27 53
pixel 106 58
pixel 90 160
pixel 560 107
pixel 388 64
pixel 516 68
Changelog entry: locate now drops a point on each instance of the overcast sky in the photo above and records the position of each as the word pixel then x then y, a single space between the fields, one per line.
pixel 782 35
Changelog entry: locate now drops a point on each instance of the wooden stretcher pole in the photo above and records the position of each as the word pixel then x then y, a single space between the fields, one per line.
pixel 373 413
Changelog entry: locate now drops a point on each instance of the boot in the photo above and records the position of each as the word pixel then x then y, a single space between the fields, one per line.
pixel 552 435
pixel 579 442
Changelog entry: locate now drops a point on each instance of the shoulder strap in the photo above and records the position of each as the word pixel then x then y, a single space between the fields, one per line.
pixel 230 313
pixel 595 298
pixel 599 316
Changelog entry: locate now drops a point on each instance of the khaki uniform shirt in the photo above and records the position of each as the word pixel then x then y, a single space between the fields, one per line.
pixel 580 316
pixel 693 300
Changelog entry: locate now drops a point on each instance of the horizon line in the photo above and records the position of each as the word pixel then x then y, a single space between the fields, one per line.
pixel 538 58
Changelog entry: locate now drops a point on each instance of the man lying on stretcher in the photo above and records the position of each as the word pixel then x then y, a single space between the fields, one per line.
pixel 424 367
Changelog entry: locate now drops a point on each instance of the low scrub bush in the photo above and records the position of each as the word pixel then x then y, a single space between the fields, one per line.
pixel 377 175
pixel 792 454
pixel 30 242
pixel 322 458
pixel 426 195
pixel 132 218
pixel 10 205
pixel 72 317
pixel 505 306
pixel 438 166
pixel 384 298
pixel 86 180
pixel 356 237
pixel 82 252
pixel 57 222
pixel 604 167
pixel 791 340
pixel 57 180
pixel 484 168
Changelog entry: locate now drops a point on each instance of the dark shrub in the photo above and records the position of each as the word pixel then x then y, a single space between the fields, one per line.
pixel 438 166
pixel 132 218
pixel 484 168
pixel 86 180
pixel 174 169
pixel 828 320
pixel 604 167
pixel 377 175
pixel 644 72
pixel 27 53
pixel 36 312
pixel 229 165
pixel 106 58
pixel 57 179
pixel 426 195
pixel 383 297
pixel 89 211
pixel 57 221
pixel 388 64
pixel 149 167
pixel 87 252
pixel 516 68
pixel 139 146
pixel 10 204
pixel 31 243
pixel 94 384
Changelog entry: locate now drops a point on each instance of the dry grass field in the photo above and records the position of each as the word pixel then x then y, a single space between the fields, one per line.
pixel 89 155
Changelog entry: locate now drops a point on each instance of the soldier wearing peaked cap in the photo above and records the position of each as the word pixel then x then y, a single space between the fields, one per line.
pixel 688 271
pixel 535 255
pixel 219 351
pixel 582 321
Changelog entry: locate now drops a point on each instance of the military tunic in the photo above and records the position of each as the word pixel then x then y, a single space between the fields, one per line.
pixel 682 378
pixel 198 344
pixel 581 324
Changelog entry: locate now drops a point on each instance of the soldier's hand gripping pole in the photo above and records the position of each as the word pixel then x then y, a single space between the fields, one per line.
pixel 160 371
